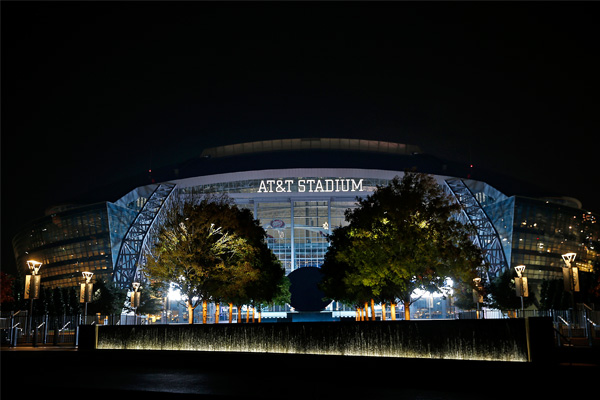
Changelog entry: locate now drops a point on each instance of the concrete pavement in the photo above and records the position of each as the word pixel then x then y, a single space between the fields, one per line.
pixel 177 374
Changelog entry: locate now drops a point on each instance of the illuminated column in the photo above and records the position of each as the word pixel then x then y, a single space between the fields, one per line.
pixel 32 288
pixel 85 292
pixel 571 276
pixel 292 237
pixel 135 298
pixel 477 296
pixel 570 273
pixel 329 215
pixel 521 285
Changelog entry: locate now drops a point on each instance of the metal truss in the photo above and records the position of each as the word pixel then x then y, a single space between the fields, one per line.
pixel 486 236
pixel 138 238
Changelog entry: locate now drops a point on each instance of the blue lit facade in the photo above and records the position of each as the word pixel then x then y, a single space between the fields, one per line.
pixel 298 207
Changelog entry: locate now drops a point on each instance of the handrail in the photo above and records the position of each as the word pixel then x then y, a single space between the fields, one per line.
pixel 588 308
pixel 566 338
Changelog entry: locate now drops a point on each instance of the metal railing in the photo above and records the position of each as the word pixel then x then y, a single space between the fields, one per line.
pixel 572 327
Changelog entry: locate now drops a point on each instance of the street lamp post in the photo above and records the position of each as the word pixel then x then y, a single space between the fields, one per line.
pixel 85 293
pixel 477 296
pixel 571 276
pixel 32 288
pixel 570 273
pixel 521 286
pixel 135 299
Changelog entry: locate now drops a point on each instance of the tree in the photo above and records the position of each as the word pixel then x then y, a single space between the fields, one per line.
pixel 254 275
pixel 150 300
pixel 503 294
pixel 595 283
pixel 335 269
pixel 464 297
pixel 401 238
pixel 210 250
pixel 553 295
pixel 71 300
pixel 590 286
pixel 188 253
pixel 107 299
pixel 6 288
pixel 272 286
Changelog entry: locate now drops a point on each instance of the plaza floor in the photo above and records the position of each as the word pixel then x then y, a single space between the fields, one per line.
pixel 48 372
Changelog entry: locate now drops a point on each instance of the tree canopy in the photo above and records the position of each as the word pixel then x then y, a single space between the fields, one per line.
pixel 211 250
pixel 401 238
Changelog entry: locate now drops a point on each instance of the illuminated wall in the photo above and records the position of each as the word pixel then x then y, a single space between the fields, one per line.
pixel 298 207
pixel 486 340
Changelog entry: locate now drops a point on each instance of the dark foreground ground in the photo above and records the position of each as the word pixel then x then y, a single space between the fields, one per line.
pixel 131 374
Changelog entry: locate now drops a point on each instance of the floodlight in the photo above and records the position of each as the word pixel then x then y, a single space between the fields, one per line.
pixel 520 269
pixel 34 266
pixel 569 258
pixel 88 276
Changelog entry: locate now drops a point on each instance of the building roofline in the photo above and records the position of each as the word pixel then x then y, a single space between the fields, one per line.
pixel 277 145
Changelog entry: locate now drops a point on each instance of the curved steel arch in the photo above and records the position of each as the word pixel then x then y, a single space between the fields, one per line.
pixel 486 236
pixel 135 242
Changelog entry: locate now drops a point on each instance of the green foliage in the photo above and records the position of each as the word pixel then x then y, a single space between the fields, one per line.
pixel 590 287
pixel 151 299
pixel 107 298
pixel 272 286
pixel 55 302
pixel 282 295
pixel 49 302
pixel 399 239
pixel 213 251
pixel 463 296
pixel 553 295
pixel 503 293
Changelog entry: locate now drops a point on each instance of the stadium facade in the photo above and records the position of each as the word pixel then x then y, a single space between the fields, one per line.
pixel 299 189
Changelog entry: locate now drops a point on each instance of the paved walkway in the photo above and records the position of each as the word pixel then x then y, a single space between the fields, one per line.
pixel 176 374
pixel 45 347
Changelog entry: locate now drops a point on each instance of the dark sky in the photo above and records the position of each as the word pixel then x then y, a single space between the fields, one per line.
pixel 95 93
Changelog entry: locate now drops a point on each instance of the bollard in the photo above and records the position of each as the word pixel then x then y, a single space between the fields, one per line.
pixel 12 328
pixel 45 330
pixel 35 334
pixel 14 334
pixel 56 332
pixel 14 337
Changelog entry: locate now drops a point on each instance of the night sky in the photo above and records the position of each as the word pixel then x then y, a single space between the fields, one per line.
pixel 96 93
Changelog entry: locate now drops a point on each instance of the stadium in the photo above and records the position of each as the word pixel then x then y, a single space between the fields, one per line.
pixel 299 189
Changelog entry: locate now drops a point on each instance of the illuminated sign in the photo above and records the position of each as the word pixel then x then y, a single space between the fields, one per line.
pixel 310 185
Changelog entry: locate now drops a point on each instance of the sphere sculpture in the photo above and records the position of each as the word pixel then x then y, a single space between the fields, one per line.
pixel 304 290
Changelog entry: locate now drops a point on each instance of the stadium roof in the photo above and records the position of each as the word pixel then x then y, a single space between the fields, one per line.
pixel 311 144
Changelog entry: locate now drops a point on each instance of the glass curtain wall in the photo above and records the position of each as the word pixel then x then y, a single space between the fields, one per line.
pixel 276 219
pixel 67 243
pixel 297 230
pixel 544 231
pixel 311 225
